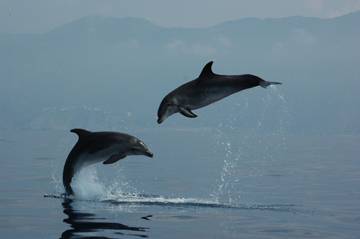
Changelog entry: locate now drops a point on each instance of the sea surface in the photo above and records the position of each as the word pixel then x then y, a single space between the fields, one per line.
pixel 205 183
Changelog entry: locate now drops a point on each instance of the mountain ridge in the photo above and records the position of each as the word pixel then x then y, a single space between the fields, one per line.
pixel 128 65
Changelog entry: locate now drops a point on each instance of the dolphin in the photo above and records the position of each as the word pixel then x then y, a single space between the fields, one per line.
pixel 206 89
pixel 95 147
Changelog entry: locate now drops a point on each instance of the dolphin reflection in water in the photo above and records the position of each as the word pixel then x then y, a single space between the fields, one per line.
pixel 83 222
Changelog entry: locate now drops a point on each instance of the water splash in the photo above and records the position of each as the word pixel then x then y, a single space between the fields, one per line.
pixel 245 156
pixel 228 176
pixel 243 161
pixel 283 111
pixel 87 185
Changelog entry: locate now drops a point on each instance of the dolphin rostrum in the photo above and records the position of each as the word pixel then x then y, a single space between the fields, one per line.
pixel 95 147
pixel 206 89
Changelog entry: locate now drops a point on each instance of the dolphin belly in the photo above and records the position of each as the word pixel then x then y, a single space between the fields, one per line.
pixel 208 97
pixel 87 159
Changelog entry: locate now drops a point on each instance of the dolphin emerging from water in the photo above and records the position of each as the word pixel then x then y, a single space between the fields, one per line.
pixel 95 147
pixel 206 89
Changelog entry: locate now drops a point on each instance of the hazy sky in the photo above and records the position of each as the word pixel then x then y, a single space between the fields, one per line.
pixel 37 16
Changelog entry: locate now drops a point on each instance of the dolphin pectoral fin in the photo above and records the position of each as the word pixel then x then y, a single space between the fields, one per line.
pixel 187 112
pixel 114 158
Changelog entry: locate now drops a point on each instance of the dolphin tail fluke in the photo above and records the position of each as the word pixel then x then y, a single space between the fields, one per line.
pixel 265 84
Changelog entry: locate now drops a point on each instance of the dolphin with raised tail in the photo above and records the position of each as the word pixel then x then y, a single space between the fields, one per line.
pixel 95 147
pixel 206 89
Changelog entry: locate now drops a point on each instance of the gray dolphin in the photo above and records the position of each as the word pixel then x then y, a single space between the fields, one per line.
pixel 206 89
pixel 95 147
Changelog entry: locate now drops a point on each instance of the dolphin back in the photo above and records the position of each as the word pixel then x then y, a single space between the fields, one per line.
pixel 70 162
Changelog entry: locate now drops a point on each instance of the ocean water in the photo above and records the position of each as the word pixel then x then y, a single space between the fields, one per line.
pixel 216 182
pixel 208 183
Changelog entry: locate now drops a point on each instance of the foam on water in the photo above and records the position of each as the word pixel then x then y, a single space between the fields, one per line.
pixel 131 201
pixel 88 187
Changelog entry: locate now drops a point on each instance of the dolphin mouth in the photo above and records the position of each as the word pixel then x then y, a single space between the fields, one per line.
pixel 149 154
pixel 160 120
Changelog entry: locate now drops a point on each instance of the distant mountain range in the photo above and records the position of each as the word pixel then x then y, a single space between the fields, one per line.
pixel 112 73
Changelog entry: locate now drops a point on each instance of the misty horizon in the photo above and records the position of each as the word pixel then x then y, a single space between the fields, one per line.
pixel 124 67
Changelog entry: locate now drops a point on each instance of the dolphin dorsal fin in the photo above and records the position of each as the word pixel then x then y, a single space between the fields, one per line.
pixel 207 72
pixel 81 132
